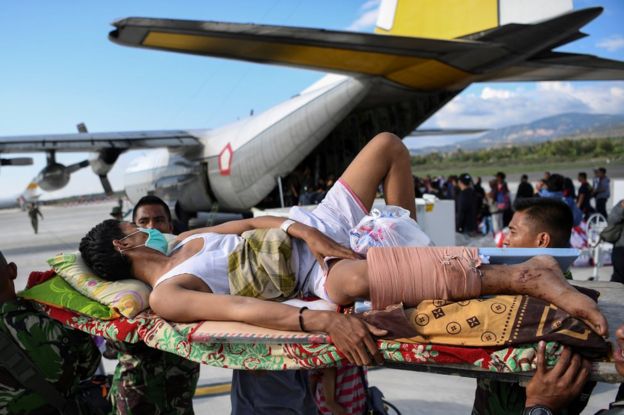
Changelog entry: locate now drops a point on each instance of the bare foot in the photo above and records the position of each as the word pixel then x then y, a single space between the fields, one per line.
pixel 541 277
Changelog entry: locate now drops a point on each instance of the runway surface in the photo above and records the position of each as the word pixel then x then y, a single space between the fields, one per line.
pixel 412 392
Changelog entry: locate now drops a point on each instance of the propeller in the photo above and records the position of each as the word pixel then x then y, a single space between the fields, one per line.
pixel 107 156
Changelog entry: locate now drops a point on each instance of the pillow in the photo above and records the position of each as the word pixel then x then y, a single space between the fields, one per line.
pixel 58 293
pixel 128 297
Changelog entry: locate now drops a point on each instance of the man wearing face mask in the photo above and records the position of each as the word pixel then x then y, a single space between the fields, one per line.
pixel 146 380
pixel 256 392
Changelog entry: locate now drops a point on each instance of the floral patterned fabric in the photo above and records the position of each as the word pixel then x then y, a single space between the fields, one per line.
pixel 267 354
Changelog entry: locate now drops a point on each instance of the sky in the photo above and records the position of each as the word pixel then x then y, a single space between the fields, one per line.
pixel 59 69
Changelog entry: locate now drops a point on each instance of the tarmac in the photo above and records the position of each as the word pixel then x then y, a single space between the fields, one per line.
pixel 412 392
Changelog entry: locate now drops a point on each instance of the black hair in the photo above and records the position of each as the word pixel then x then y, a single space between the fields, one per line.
pixel 524 177
pixel 549 215
pixel 465 179
pixel 100 255
pixel 151 200
pixel 555 182
pixel 583 175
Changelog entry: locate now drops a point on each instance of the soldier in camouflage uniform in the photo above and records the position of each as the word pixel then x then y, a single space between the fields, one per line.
pixel 63 355
pixel 146 380
pixel 537 223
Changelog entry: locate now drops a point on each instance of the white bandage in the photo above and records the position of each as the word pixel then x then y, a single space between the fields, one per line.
pixel 287 224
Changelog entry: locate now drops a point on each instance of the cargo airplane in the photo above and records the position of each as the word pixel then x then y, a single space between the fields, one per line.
pixel 424 53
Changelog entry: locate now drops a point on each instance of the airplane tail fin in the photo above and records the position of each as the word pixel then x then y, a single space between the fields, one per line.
pixel 451 19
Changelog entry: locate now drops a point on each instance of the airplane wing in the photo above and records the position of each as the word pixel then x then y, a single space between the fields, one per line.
pixel 414 62
pixel 558 66
pixel 86 142
pixel 512 52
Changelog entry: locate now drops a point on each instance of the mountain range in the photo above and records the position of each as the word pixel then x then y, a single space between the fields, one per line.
pixel 569 125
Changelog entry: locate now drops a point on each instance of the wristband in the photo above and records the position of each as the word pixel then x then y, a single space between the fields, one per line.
pixel 301 318
pixel 287 224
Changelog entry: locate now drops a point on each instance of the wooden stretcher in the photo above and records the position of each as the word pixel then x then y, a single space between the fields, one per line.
pixel 243 346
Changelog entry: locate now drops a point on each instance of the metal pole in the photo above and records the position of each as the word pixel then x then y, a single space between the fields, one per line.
pixel 281 191
pixel 597 264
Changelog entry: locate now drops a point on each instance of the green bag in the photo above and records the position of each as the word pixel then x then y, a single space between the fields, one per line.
pixel 612 233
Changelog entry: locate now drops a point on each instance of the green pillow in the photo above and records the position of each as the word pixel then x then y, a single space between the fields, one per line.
pixel 58 293
pixel 129 297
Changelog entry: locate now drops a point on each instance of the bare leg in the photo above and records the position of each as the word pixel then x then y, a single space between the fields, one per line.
pixel 347 281
pixel 385 158
pixel 539 277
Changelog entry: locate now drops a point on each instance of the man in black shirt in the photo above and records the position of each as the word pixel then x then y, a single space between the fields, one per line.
pixel 584 195
pixel 466 212
pixel 525 189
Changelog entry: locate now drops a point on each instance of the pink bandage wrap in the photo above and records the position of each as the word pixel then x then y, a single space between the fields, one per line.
pixel 413 274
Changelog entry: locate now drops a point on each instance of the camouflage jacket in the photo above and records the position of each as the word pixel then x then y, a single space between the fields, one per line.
pixel 63 355
pixel 150 381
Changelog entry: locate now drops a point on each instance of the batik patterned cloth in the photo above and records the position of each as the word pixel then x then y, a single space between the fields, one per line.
pixel 501 320
pixel 63 355
pixel 260 267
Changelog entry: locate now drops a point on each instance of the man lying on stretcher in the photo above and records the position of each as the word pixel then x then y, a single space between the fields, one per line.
pixel 194 281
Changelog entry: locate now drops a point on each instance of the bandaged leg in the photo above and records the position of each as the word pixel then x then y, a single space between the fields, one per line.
pixel 410 274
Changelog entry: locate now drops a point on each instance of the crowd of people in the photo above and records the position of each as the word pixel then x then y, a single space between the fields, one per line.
pixel 489 210
pixel 190 283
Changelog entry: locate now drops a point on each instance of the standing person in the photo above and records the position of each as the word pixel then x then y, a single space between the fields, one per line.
pixel 538 222
pixel 63 355
pixel 602 190
pixel 503 198
pixel 34 213
pixel 617 254
pixel 146 380
pixel 496 214
pixel 584 195
pixel 525 189
pixel 466 207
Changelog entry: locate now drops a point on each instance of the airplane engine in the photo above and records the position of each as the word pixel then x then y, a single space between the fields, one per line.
pixel 54 176
pixel 101 163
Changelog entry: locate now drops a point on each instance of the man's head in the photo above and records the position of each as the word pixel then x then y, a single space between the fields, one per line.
pixel 465 180
pixel 540 222
pixel 8 273
pixel 151 212
pixel 524 178
pixel 500 176
pixel 582 177
pixel 102 256
pixel 601 172
pixel 555 182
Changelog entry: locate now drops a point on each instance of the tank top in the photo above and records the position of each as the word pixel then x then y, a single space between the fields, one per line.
pixel 209 264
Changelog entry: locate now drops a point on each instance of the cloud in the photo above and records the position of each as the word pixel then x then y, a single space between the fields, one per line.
pixel 368 16
pixel 612 43
pixel 492 93
pixel 496 107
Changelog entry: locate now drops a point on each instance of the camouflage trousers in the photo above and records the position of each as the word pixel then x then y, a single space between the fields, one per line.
pixel 150 381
